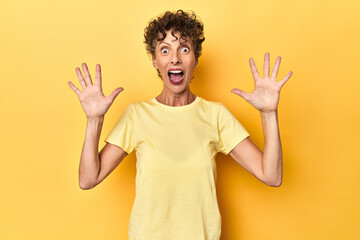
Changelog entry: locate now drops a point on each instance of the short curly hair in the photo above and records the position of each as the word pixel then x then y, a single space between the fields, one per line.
pixel 185 23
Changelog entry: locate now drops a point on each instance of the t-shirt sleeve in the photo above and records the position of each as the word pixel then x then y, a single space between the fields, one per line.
pixel 122 134
pixel 230 131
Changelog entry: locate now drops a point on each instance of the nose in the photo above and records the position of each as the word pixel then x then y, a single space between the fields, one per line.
pixel 175 58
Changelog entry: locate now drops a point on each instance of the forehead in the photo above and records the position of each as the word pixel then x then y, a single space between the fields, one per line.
pixel 172 37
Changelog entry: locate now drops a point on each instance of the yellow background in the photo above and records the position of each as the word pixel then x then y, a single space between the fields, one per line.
pixel 43 125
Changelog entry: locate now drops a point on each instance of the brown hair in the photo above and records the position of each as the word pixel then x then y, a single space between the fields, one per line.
pixel 184 23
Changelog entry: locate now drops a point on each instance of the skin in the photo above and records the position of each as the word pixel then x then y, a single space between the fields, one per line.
pixel 94 167
pixel 173 53
pixel 266 166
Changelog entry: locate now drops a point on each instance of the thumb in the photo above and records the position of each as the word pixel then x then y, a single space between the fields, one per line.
pixel 241 93
pixel 114 94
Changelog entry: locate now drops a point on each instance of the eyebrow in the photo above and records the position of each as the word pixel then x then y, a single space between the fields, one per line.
pixel 181 44
pixel 164 42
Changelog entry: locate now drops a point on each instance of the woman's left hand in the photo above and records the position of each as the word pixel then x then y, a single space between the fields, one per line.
pixel 265 96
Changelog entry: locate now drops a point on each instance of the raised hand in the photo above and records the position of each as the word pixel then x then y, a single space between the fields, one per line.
pixel 265 96
pixel 92 99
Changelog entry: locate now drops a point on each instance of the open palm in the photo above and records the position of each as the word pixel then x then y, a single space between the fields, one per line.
pixel 92 99
pixel 265 96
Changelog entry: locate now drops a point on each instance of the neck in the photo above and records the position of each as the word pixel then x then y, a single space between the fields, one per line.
pixel 176 99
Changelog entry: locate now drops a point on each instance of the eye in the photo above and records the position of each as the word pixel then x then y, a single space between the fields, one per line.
pixel 185 49
pixel 164 50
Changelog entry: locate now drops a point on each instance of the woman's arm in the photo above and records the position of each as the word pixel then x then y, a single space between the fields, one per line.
pixel 267 165
pixel 272 156
pixel 89 161
pixel 93 169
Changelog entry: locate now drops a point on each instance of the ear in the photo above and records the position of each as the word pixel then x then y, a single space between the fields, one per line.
pixel 154 61
pixel 196 62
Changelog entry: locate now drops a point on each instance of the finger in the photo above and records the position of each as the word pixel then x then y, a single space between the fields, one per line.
pixel 114 94
pixel 284 80
pixel 241 93
pixel 98 75
pixel 74 88
pixel 254 70
pixel 80 77
pixel 87 75
pixel 266 65
pixel 276 68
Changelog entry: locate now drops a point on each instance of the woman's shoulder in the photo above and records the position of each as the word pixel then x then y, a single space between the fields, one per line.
pixel 210 103
pixel 142 103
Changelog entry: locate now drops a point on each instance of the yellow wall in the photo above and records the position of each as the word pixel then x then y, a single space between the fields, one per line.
pixel 42 123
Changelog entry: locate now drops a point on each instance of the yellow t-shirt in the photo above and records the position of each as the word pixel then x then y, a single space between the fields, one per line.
pixel 176 168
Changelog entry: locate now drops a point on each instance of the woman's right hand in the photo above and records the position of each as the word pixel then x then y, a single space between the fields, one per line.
pixel 92 99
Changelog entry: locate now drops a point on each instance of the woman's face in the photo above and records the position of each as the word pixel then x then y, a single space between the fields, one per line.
pixel 175 60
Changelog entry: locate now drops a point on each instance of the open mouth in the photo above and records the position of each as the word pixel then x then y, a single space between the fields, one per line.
pixel 176 76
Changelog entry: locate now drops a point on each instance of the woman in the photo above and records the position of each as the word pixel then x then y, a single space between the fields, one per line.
pixel 176 137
